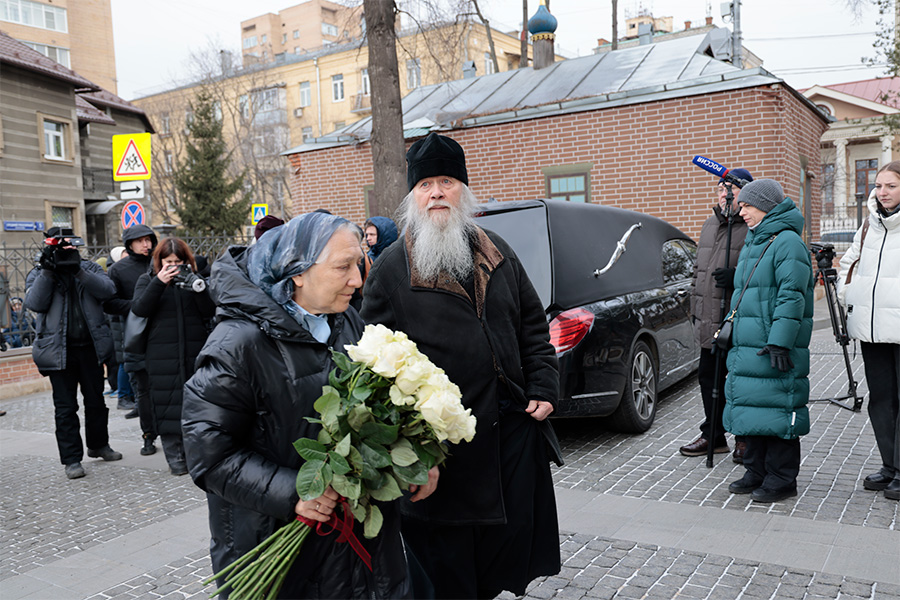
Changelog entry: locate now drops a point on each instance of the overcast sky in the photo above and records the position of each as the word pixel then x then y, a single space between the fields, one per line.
pixel 806 42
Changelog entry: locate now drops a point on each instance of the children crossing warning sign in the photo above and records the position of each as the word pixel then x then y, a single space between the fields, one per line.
pixel 131 156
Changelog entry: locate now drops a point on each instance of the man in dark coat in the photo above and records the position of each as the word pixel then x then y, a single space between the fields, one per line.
pixel 461 294
pixel 711 290
pixel 282 305
pixel 139 242
pixel 73 341
pixel 380 233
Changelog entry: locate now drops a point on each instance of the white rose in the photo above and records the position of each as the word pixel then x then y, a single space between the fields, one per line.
pixel 446 415
pixel 373 339
pixel 415 373
pixel 390 359
pixel 399 398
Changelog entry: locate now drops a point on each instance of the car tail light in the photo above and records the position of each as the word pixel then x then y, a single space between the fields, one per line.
pixel 569 327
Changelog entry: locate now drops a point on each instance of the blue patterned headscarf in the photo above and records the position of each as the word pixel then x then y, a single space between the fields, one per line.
pixel 290 250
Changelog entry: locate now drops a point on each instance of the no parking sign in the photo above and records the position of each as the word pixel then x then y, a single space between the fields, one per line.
pixel 132 214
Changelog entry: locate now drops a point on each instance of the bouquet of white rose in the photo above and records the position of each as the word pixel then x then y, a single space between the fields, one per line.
pixel 384 417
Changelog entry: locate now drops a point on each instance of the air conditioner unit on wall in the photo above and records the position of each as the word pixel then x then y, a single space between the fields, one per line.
pixel 298 112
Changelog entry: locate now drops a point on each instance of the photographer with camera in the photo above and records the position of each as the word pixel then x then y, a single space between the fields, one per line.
pixel 73 341
pixel 869 287
pixel 177 305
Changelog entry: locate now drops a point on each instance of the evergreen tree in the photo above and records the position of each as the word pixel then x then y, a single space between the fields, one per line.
pixel 209 202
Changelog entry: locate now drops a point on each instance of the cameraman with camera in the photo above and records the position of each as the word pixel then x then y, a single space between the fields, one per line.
pixel 178 308
pixel 73 341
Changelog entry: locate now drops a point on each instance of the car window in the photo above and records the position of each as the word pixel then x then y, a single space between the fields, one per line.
pixel 677 263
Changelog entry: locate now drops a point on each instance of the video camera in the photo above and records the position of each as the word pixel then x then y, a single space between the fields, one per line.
pixel 186 279
pixel 824 254
pixel 61 251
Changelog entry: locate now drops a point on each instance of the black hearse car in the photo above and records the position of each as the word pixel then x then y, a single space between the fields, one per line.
pixel 616 288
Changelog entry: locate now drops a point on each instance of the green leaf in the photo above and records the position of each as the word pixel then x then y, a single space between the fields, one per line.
pixel 402 453
pixel 342 361
pixel 338 463
pixel 361 393
pixel 389 491
pixel 359 416
pixel 343 446
pixel 378 433
pixel 375 456
pixel 348 487
pixel 324 437
pixel 310 449
pixel 356 459
pixel 328 405
pixel 413 429
pixel 373 522
pixel 416 473
pixel 310 480
pixel 359 511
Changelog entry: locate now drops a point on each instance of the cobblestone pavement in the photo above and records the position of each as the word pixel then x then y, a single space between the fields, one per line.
pixel 46 518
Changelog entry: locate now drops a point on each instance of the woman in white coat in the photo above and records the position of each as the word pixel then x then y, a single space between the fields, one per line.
pixel 871 294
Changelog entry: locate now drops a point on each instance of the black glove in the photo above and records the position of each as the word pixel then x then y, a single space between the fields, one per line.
pixel 47 259
pixel 724 277
pixel 780 358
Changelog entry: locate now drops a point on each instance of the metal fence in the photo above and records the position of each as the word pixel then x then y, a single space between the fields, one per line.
pixel 16 261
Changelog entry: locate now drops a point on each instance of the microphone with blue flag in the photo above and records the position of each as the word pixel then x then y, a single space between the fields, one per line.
pixel 718 170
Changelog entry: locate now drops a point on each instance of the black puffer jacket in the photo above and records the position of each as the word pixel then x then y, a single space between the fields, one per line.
pixel 46 295
pixel 125 273
pixel 176 333
pixel 256 380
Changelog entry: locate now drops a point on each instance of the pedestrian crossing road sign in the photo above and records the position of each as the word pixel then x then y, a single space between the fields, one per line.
pixel 131 156
pixel 257 212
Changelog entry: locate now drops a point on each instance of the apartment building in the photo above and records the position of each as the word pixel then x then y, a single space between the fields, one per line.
pixel 77 34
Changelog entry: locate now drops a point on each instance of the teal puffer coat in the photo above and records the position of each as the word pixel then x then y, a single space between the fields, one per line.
pixel 777 309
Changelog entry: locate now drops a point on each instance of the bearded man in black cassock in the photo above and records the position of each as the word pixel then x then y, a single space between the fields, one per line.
pixel 462 295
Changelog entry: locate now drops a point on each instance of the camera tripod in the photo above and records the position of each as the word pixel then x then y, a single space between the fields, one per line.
pixel 824 254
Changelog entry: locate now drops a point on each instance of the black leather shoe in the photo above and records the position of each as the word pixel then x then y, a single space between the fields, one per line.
pixel 132 414
pixel 892 491
pixel 74 470
pixel 766 495
pixel 148 448
pixel 125 404
pixel 876 481
pixel 106 453
pixel 745 485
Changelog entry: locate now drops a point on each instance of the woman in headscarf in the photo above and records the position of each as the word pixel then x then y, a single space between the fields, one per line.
pixel 282 305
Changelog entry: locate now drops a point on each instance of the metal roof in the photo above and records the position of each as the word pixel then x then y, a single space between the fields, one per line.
pixel 676 68
pixel 18 54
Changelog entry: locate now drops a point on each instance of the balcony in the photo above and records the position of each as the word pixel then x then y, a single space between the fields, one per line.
pixel 98 183
pixel 362 103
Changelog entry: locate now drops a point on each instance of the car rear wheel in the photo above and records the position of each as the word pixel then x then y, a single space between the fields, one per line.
pixel 637 409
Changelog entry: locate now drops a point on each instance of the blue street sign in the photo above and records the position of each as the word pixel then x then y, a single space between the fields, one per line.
pixel 23 225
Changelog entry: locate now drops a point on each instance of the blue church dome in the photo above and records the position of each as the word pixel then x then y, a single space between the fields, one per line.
pixel 542 21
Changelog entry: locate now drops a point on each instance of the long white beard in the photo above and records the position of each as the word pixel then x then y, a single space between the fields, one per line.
pixel 441 245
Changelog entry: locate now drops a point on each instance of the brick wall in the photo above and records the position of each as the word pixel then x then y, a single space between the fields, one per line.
pixel 18 375
pixel 641 155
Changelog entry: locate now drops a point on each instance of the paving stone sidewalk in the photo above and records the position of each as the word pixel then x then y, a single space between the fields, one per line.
pixel 118 520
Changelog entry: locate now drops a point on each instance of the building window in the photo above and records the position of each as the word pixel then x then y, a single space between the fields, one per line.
pixel 307 134
pixel 865 178
pixel 56 138
pixel 296 49
pixel 164 124
pixel 188 118
pixel 305 94
pixel 569 182
pixel 364 85
pixel 249 42
pixel 338 125
pixel 329 29
pixel 828 188
pixel 413 73
pixel 170 162
pixel 568 187
pixel 244 107
pixel 284 38
pixel 62 216
pixel 362 24
pixel 34 14
pixel 337 87
pixel 170 200
pixel 488 64
pixel 296 34
pixel 263 38
pixel 54 53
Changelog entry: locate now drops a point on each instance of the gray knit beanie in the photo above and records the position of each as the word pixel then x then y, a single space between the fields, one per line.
pixel 764 194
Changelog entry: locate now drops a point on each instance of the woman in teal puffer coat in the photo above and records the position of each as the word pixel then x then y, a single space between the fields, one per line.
pixel 767 387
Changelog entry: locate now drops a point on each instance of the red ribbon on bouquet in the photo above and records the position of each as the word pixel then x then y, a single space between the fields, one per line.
pixel 344 527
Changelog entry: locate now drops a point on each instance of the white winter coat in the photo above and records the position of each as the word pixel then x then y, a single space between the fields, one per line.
pixel 875 282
